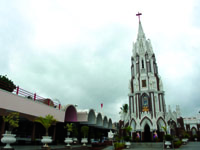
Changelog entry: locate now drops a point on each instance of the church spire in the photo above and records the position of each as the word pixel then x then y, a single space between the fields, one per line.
pixel 140 30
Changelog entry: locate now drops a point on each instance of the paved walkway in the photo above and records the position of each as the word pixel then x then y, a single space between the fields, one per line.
pixel 32 147
pixel 155 146
pixel 191 146
pixel 134 146
pixel 38 147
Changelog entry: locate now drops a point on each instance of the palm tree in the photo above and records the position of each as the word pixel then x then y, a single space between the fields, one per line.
pixel 165 129
pixel 124 108
pixel 69 128
pixel 46 121
pixel 128 129
pixel 12 119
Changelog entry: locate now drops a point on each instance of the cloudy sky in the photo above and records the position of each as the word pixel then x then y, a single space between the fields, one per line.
pixel 80 51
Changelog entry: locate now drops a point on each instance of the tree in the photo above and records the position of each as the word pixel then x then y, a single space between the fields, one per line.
pixel 46 121
pixel 12 119
pixel 127 130
pixel 75 132
pixel 165 129
pixel 84 130
pixel 6 84
pixel 69 127
pixel 124 109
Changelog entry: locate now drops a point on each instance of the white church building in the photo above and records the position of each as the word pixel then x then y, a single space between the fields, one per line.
pixel 147 109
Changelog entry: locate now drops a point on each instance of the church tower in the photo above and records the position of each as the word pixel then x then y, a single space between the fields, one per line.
pixel 147 108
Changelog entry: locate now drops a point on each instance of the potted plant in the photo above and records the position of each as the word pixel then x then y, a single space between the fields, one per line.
pixel 168 140
pixel 75 134
pixel 127 137
pixel 177 144
pixel 6 84
pixel 13 122
pixel 69 127
pixel 119 146
pixel 195 137
pixel 46 121
pixel 186 137
pixel 84 131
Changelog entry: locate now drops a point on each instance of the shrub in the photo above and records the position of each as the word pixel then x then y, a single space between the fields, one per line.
pixel 137 139
pixel 168 137
pixel 75 132
pixel 117 138
pixel 6 84
pixel 195 137
pixel 127 138
pixel 119 145
pixel 157 139
pixel 177 144
pixel 186 135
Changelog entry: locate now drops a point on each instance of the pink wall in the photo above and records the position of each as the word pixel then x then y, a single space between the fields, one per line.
pixel 20 104
pixel 71 114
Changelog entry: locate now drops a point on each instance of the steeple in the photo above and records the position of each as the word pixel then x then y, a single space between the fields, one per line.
pixel 140 32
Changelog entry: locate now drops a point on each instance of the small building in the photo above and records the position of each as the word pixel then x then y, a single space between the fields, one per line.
pixel 29 109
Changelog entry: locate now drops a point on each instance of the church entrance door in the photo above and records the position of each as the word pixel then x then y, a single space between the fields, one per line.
pixel 147 133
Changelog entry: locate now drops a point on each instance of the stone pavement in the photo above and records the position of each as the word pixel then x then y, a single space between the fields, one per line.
pixel 191 146
pixel 158 146
pixel 32 147
pixel 38 147
pixel 134 146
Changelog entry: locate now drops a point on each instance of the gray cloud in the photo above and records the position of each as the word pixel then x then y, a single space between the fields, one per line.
pixel 87 62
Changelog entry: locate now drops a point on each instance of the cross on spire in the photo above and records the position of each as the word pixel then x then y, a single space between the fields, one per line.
pixel 138 14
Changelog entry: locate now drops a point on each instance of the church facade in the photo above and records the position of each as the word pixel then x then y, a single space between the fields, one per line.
pixel 147 109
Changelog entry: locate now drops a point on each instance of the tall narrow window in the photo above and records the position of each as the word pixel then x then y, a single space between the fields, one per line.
pixel 142 63
pixel 149 66
pixel 137 68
